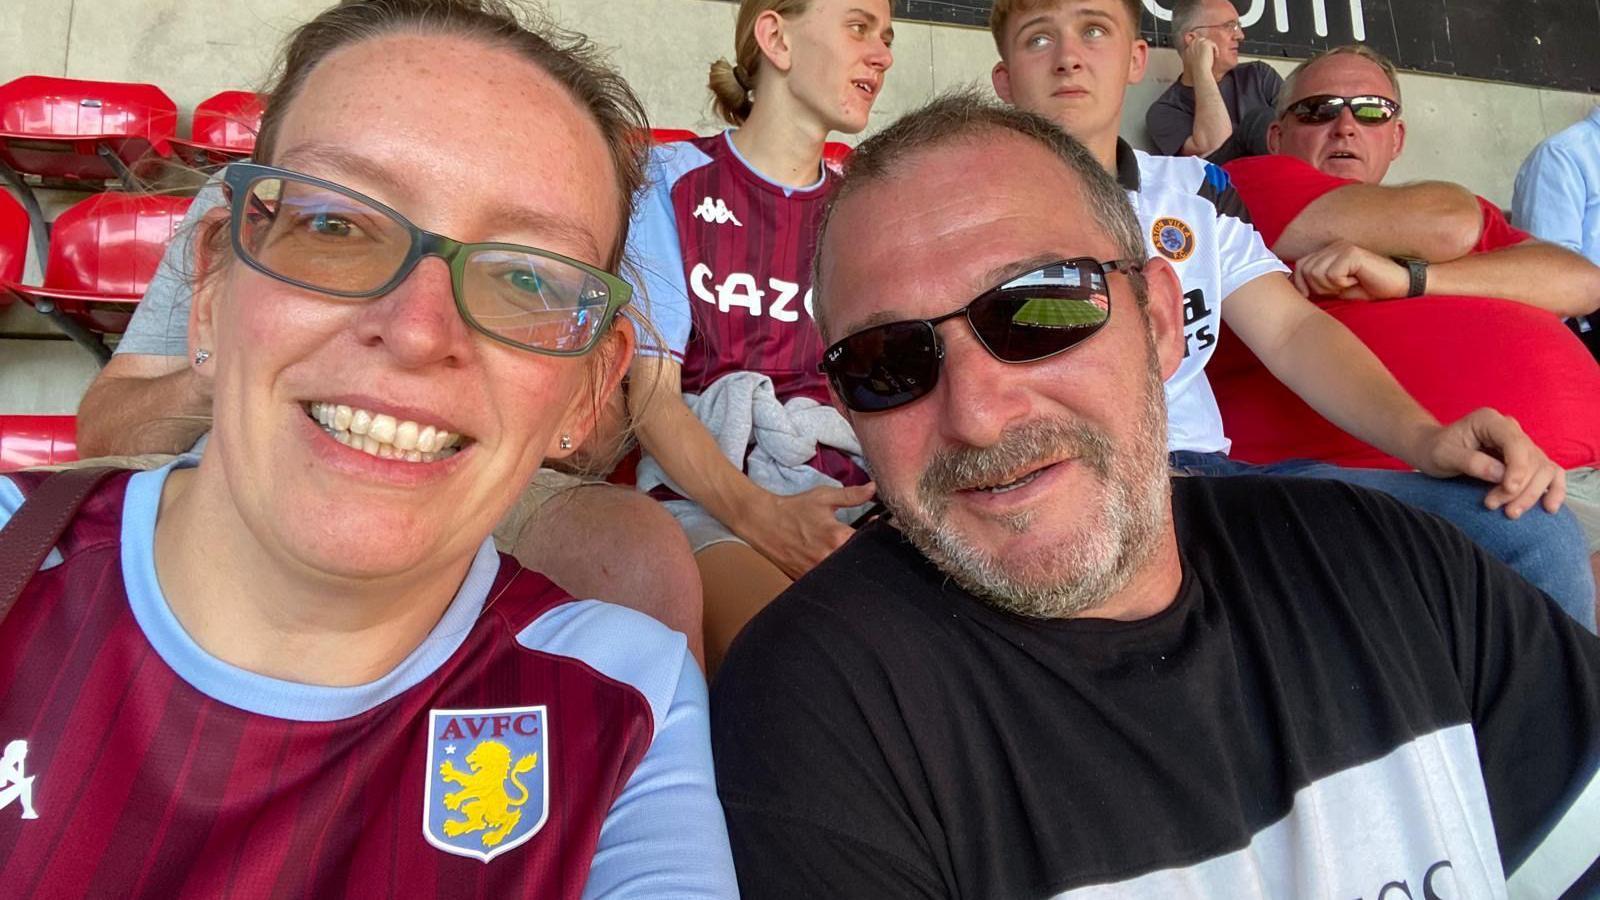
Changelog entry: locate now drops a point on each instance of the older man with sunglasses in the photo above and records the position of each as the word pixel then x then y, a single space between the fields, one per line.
pixel 1056 671
pixel 1462 308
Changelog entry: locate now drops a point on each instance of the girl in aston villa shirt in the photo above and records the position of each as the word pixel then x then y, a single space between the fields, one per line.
pixel 723 239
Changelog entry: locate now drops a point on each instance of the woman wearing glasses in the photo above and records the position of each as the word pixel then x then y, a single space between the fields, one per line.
pixel 296 666
pixel 723 240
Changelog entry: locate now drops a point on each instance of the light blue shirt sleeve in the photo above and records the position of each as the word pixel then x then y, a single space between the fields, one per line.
pixel 1549 198
pixel 1557 195
pixel 654 258
pixel 665 835
pixel 160 324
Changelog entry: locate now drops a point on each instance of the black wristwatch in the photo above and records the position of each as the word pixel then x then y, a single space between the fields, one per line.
pixel 1418 270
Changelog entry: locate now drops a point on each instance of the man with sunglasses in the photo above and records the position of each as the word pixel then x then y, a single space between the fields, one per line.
pixel 1055 671
pixel 1218 108
pixel 1464 309
pixel 1072 61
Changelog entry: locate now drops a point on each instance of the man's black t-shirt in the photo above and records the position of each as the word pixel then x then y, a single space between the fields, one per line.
pixel 1345 696
pixel 1249 91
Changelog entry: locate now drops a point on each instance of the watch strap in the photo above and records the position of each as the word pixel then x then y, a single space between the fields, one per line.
pixel 1417 269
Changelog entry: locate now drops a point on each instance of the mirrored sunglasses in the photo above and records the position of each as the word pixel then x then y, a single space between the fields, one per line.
pixel 1032 317
pixel 1368 110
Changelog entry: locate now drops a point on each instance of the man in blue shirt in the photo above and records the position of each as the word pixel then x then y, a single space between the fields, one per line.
pixel 1558 199
pixel 1558 189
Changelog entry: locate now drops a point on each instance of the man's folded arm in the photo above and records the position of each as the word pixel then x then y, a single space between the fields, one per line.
pixel 1534 273
pixel 1431 220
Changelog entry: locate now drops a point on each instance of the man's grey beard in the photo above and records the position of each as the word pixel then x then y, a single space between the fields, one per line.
pixel 1068 580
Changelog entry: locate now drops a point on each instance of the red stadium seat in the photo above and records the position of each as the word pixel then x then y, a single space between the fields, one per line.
pixel 13 241
pixel 668 135
pixel 103 253
pixel 36 441
pixel 74 130
pixel 224 129
pixel 835 153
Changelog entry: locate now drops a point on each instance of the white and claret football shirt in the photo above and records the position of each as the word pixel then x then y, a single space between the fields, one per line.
pixel 1346 699
pixel 723 256
pixel 534 745
pixel 1192 217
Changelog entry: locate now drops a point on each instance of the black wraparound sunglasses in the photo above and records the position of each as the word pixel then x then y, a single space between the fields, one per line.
pixel 1034 316
pixel 322 236
pixel 1368 110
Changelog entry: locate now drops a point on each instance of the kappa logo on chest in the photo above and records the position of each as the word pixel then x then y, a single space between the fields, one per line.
pixel 716 212
pixel 488 779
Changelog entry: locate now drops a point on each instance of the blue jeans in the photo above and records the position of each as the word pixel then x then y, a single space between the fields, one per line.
pixel 1548 550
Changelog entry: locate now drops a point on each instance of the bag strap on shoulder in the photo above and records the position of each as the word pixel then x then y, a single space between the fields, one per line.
pixel 38 524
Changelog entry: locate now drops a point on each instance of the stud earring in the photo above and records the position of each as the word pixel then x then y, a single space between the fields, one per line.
pixel 201 355
pixel 566 442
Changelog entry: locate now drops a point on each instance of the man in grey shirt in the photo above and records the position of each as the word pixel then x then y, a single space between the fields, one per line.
pixel 1218 109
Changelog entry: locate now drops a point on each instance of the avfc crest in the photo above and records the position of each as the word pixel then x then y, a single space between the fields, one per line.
pixel 488 787
pixel 1173 238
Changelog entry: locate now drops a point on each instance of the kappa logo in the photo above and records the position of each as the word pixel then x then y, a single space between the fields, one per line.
pixel 14 785
pixel 488 779
pixel 716 212
pixel 1173 238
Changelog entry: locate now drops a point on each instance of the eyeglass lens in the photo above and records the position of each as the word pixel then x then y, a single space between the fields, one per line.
pixel 881 368
pixel 1041 313
pixel 337 243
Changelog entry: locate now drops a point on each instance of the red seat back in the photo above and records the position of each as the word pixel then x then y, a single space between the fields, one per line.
pixel 36 441
pixel 13 240
pixel 668 135
pixel 112 243
pixel 57 127
pixel 229 121
pixel 835 153
pixel 46 107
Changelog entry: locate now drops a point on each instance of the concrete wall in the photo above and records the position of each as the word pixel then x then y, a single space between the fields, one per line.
pixel 1472 132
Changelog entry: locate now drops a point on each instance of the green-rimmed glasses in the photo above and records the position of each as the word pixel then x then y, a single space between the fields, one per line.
pixel 317 235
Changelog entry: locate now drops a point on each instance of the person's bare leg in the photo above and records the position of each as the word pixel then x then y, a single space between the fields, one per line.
pixel 738 583
pixel 615 544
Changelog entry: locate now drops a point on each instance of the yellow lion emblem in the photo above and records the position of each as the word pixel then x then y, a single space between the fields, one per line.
pixel 483 797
